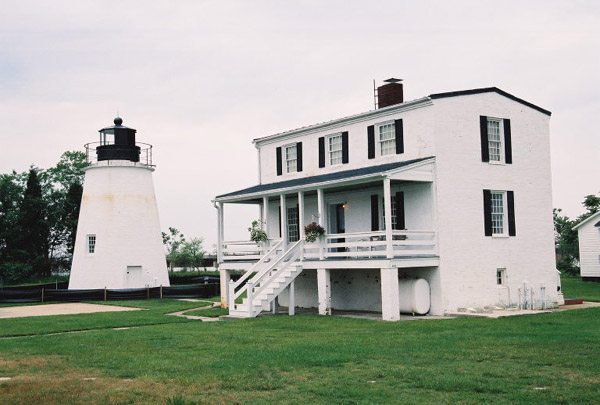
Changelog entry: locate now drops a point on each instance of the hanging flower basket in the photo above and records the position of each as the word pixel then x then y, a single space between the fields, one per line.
pixel 313 231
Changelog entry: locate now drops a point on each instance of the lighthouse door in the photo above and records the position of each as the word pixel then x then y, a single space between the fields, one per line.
pixel 134 277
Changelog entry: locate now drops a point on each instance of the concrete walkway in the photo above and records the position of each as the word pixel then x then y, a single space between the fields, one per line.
pixel 59 309
pixel 182 314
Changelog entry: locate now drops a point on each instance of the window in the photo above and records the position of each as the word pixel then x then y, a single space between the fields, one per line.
pixel 498 213
pixel 496 143
pixel 91 244
pixel 494 140
pixel 334 146
pixel 387 139
pixel 291 159
pixel 394 216
pixel 500 276
pixel 293 228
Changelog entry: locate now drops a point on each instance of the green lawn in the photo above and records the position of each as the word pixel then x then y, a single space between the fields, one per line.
pixel 573 287
pixel 548 358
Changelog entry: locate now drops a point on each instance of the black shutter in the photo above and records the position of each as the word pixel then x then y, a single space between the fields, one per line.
pixel 487 212
pixel 510 201
pixel 279 162
pixel 345 147
pixel 322 151
pixel 299 156
pixel 507 142
pixel 280 221
pixel 400 217
pixel 399 137
pixel 371 141
pixel 485 151
pixel 374 212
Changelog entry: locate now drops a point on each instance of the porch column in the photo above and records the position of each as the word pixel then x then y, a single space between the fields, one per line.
pixel 219 232
pixel 324 288
pixel 284 225
pixel 301 214
pixel 387 201
pixel 292 300
pixel 224 286
pixel 265 216
pixel 390 295
pixel 321 214
pixel 320 209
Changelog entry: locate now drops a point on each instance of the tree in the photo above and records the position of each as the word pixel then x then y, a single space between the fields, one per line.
pixel 13 261
pixel 34 231
pixel 191 254
pixel 172 242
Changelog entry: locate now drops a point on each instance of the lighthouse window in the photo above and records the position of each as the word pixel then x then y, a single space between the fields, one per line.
pixel 91 243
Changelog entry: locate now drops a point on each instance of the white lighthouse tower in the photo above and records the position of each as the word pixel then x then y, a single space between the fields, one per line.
pixel 119 243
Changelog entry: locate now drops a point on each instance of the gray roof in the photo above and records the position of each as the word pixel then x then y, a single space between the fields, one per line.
pixel 304 181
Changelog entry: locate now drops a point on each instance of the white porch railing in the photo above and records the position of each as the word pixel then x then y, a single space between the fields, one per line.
pixel 357 245
pixel 246 250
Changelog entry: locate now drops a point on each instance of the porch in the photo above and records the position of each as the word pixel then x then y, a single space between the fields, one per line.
pixel 359 233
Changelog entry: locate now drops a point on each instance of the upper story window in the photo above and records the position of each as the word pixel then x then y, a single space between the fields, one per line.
pixel 334 147
pixel 91 244
pixel 498 216
pixel 496 142
pixel 387 139
pixel 291 159
pixel 499 213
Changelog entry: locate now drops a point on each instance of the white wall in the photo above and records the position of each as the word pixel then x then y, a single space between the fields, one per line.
pixel 418 142
pixel 119 207
pixel 589 248
pixel 468 259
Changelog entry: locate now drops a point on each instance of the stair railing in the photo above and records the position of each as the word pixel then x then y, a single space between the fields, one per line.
pixel 265 260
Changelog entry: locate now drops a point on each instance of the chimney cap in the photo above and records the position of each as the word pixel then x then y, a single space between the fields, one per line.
pixel 392 80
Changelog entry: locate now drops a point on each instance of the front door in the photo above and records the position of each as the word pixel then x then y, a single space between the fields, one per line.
pixel 337 223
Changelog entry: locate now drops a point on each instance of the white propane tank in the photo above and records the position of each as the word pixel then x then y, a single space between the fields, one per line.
pixel 415 297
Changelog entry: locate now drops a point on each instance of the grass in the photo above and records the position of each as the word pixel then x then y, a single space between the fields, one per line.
pixel 574 287
pixel 548 358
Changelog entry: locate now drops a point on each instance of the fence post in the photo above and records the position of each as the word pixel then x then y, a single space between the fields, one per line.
pixel 104 293
pixel 147 292
pixel 42 294
pixel 161 291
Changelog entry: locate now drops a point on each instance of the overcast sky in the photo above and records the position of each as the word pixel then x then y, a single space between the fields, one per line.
pixel 200 79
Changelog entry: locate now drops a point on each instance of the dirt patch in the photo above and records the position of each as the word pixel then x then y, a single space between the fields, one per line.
pixel 59 309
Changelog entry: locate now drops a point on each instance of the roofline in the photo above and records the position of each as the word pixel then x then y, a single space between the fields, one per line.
pixel 589 219
pixel 489 90
pixel 275 191
pixel 407 106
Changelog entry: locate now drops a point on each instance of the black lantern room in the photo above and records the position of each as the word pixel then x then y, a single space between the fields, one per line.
pixel 118 143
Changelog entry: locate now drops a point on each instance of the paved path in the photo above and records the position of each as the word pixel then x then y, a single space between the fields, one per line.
pixel 59 309
pixel 201 318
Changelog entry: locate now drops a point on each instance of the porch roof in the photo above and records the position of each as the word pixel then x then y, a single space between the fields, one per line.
pixel 346 175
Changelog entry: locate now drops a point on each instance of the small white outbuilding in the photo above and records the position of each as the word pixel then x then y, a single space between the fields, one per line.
pixel 589 247
pixel 118 243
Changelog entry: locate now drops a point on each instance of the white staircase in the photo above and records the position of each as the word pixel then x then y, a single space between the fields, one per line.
pixel 265 281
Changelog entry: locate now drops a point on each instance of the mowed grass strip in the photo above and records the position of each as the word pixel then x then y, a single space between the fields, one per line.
pixel 548 358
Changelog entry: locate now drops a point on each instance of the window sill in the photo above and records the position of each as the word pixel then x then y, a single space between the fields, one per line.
pixel 496 163
pixel 502 236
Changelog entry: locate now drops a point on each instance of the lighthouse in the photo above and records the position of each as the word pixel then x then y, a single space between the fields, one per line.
pixel 119 242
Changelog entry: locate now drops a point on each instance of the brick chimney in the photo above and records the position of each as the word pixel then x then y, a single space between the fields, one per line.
pixel 390 93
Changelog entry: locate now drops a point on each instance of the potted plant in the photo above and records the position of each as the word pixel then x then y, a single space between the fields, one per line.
pixel 257 235
pixel 313 231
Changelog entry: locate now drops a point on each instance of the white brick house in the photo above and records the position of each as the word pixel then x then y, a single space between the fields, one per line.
pixel 466 176
pixel 589 247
